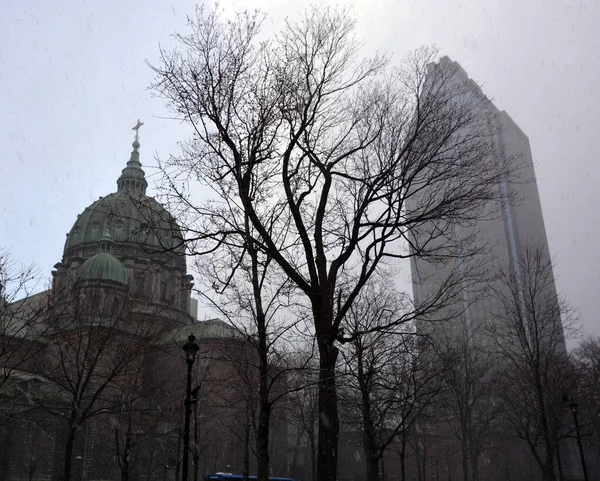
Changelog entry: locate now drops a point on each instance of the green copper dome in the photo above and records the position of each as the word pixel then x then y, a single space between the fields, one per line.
pixel 140 226
pixel 103 267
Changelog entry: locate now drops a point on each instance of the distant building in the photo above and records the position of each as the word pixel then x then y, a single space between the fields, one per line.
pixel 507 232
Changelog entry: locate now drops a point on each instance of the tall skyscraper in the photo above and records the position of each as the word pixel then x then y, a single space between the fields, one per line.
pixel 499 334
pixel 508 237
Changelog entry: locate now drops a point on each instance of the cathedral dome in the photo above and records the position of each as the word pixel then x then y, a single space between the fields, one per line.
pixel 103 267
pixel 140 226
pixel 140 220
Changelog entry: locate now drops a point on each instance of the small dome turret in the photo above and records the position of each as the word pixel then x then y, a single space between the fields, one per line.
pixel 104 267
pixel 133 178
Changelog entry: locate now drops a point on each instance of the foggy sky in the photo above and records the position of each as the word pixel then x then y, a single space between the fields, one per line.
pixel 73 82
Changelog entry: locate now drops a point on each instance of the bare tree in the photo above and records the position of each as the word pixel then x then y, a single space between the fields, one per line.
pixel 94 345
pixel 303 412
pixel 469 403
pixel 529 336
pixel 323 152
pixel 389 376
pixel 28 455
pixel 587 361
pixel 22 316
pixel 132 421
pixel 253 297
pixel 263 396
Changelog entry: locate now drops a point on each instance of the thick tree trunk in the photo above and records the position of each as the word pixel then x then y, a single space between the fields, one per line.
pixel 372 464
pixel 545 463
pixel 262 441
pixel 372 468
pixel 546 470
pixel 329 426
pixel 68 455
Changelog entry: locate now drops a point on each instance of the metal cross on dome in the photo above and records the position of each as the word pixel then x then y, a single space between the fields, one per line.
pixel 137 129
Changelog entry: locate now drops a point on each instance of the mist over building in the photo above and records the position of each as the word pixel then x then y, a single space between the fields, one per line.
pixel 504 234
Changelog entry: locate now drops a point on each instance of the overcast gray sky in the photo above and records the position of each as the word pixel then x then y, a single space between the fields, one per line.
pixel 73 81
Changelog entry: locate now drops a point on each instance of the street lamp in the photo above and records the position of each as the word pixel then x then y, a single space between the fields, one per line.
pixel 196 447
pixel 190 348
pixel 574 405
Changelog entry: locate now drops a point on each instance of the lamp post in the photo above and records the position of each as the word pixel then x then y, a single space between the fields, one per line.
pixel 196 447
pixel 574 405
pixel 190 348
